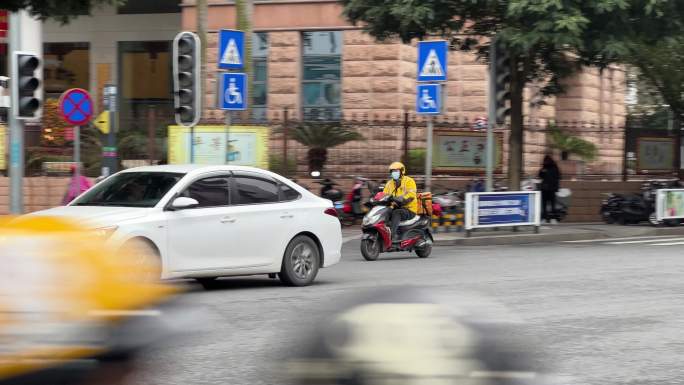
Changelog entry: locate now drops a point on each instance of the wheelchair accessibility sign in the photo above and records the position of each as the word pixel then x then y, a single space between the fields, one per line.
pixel 233 92
pixel 429 99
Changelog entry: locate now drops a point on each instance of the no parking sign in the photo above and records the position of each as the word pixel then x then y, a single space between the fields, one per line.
pixel 76 106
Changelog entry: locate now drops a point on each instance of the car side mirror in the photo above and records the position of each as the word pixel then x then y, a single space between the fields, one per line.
pixel 183 203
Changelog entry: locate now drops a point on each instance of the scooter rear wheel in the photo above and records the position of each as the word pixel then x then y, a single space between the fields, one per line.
pixel 370 248
pixel 424 252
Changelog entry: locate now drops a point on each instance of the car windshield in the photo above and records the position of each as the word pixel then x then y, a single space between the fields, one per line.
pixel 130 189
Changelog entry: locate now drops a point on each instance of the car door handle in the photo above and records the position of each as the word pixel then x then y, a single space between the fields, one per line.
pixel 287 216
pixel 227 220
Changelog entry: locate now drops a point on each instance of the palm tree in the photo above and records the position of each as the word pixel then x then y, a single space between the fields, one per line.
pixel 568 144
pixel 319 137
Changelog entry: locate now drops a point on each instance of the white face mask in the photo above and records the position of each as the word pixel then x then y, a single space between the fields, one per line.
pixel 396 175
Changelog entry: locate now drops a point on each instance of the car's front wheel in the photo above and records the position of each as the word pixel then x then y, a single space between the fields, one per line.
pixel 300 262
pixel 145 257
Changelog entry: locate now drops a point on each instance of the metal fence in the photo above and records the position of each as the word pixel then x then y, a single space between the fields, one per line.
pixel 390 137
pixel 387 138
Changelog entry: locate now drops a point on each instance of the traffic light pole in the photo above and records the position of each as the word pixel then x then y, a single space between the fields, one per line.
pixel 16 126
pixel 491 118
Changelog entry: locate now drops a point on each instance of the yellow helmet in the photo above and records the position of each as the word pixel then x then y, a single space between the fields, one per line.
pixel 398 166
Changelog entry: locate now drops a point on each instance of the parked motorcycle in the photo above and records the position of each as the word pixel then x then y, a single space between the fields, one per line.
pixel 414 234
pixel 331 192
pixel 353 210
pixel 634 208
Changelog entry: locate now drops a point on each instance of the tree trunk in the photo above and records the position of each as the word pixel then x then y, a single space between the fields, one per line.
pixel 677 129
pixel 515 140
pixel 202 16
pixel 243 22
pixel 317 159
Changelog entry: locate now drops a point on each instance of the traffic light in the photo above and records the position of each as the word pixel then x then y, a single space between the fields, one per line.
pixel 186 79
pixel 502 83
pixel 25 100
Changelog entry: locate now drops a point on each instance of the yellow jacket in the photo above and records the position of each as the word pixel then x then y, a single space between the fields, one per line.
pixel 407 189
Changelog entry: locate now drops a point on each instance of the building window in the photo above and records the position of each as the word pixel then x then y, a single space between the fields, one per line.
pixel 260 76
pixel 322 58
pixel 149 6
pixel 66 65
pixel 145 91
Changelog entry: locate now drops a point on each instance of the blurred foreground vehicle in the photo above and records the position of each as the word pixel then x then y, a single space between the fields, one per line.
pixel 406 336
pixel 205 222
pixel 73 311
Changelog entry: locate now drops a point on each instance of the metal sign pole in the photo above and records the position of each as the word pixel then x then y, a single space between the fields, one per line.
pixel 228 123
pixel 491 119
pixel 110 151
pixel 16 126
pixel 192 144
pixel 428 155
pixel 77 160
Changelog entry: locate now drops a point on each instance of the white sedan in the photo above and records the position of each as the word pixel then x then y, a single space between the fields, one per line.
pixel 205 222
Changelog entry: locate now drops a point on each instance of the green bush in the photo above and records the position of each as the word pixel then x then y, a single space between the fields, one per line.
pixel 275 164
pixel 415 164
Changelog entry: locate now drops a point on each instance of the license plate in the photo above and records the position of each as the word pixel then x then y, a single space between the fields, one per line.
pixel 339 205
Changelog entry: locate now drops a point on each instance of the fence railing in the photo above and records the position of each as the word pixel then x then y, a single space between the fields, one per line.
pixel 390 137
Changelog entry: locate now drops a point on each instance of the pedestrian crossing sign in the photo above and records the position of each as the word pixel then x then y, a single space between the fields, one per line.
pixel 231 49
pixel 432 61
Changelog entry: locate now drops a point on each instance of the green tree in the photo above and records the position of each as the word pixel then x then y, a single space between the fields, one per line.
pixel 319 137
pixel 660 76
pixel 546 39
pixel 62 10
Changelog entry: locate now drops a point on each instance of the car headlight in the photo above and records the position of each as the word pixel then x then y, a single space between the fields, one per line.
pixel 104 232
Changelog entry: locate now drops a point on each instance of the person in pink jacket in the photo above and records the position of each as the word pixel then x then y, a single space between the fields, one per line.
pixel 77 185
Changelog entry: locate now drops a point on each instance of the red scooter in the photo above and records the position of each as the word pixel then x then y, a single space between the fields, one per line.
pixel 414 234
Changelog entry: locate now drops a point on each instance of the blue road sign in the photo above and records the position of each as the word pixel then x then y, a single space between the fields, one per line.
pixel 231 49
pixel 428 99
pixel 233 91
pixel 432 61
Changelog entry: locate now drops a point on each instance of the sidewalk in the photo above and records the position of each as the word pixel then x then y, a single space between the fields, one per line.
pixel 553 233
pixel 547 233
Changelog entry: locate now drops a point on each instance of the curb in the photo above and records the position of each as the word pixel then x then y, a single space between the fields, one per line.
pixel 529 238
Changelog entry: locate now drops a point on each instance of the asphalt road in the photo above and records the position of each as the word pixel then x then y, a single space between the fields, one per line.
pixel 598 312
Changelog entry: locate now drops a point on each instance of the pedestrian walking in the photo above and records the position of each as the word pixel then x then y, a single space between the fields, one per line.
pixel 78 185
pixel 550 183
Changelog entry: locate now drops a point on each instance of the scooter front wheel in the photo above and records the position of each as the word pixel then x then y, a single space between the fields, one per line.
pixel 370 248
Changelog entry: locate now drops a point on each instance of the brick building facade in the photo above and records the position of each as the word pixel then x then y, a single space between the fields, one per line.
pixel 378 78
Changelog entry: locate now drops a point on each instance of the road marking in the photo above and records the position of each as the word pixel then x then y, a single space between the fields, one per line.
pixel 618 239
pixel 646 241
pixel 354 237
pixel 503 374
pixel 667 244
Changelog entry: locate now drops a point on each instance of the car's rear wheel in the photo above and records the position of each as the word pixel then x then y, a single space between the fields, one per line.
pixel 145 257
pixel 424 251
pixel 300 262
